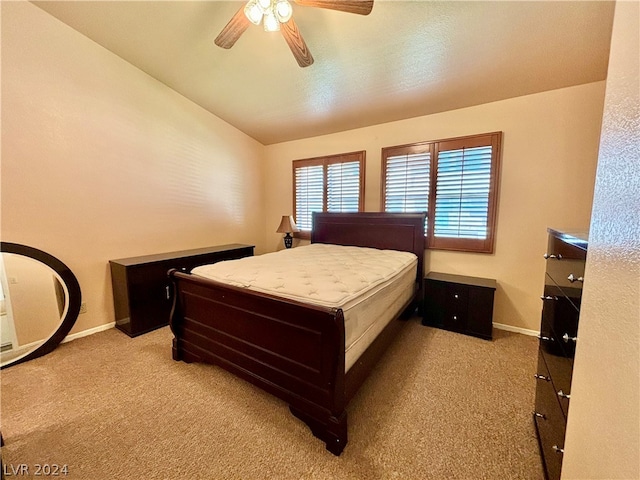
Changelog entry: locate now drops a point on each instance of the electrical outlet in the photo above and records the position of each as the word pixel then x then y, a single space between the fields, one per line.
pixel 83 307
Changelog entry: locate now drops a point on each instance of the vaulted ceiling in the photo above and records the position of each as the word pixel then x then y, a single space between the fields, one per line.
pixel 405 59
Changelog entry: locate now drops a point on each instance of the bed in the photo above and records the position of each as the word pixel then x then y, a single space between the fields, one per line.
pixel 293 347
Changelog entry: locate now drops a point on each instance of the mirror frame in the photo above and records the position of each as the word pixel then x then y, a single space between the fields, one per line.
pixel 75 298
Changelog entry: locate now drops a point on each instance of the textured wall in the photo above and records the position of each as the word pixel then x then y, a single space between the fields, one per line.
pixel 100 161
pixel 603 430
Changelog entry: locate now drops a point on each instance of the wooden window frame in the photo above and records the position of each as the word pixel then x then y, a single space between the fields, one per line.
pixel 494 139
pixel 325 161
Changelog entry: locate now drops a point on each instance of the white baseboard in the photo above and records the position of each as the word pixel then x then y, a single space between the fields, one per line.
pixel 88 332
pixel 509 328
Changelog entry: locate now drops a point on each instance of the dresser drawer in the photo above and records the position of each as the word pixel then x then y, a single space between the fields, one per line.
pixel 560 370
pixel 550 422
pixel 565 267
pixel 551 444
pixel 571 290
pixel 559 321
pixel 559 246
pixel 567 273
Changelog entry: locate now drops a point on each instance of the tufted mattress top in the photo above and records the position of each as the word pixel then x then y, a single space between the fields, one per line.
pixel 318 274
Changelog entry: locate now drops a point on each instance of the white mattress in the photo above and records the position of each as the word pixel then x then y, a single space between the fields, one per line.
pixel 369 285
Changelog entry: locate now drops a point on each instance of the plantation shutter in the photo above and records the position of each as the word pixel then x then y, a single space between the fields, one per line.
pixel 309 194
pixel 327 184
pixel 407 178
pixel 465 184
pixel 462 193
pixel 455 181
pixel 343 187
pixel 407 183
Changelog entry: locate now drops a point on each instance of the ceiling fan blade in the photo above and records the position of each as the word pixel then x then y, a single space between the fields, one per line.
pixel 361 7
pixel 296 43
pixel 232 31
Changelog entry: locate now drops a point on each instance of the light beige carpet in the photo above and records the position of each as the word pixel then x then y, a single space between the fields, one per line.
pixel 439 406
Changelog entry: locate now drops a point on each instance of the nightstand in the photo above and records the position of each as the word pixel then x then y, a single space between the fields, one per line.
pixel 459 303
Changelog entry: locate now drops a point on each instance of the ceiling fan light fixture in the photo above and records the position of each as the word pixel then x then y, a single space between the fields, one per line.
pixel 271 23
pixel 283 10
pixel 253 12
pixel 273 13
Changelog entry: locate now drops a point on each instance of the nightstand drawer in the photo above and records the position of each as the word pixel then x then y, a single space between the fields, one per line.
pixel 446 305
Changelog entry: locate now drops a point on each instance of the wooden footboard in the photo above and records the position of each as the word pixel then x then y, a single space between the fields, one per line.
pixel 292 350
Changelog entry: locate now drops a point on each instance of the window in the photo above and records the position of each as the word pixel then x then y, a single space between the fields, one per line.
pixel 327 184
pixel 455 181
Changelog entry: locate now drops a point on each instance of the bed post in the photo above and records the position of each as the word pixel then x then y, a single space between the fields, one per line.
pixel 329 424
pixel 333 432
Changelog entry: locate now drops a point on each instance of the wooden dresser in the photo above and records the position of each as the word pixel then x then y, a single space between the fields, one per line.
pixel 565 257
pixel 141 291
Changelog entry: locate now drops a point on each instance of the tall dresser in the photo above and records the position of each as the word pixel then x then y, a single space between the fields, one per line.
pixel 565 257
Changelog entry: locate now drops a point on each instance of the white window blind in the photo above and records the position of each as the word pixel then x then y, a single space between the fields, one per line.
pixel 343 187
pixel 309 194
pixel 407 183
pixel 462 193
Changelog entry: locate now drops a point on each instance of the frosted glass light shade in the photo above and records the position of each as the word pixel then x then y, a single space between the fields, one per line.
pixel 283 10
pixel 271 23
pixel 253 12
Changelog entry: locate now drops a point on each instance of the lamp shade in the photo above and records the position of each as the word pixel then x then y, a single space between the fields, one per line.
pixel 287 225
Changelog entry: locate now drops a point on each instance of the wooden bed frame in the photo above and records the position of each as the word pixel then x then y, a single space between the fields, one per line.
pixel 293 350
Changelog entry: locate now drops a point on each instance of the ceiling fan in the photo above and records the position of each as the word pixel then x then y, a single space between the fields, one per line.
pixel 277 15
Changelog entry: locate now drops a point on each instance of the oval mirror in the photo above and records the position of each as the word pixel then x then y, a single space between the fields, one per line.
pixel 39 302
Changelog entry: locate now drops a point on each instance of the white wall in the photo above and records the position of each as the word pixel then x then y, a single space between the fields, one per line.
pixel 550 148
pixel 603 429
pixel 101 161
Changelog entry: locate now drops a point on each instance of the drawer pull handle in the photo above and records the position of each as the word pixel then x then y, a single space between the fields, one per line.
pixel 545 339
pixel 561 394
pixel 548 297
pixel 540 415
pixel 547 256
pixel 168 292
pixel 566 338
pixel 456 296
pixel 455 317
pixel 542 377
pixel 573 278
pixel 557 449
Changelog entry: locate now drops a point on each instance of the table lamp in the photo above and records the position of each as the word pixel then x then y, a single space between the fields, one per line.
pixel 287 225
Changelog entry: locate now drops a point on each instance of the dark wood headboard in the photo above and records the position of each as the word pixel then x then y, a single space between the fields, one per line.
pixel 392 231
